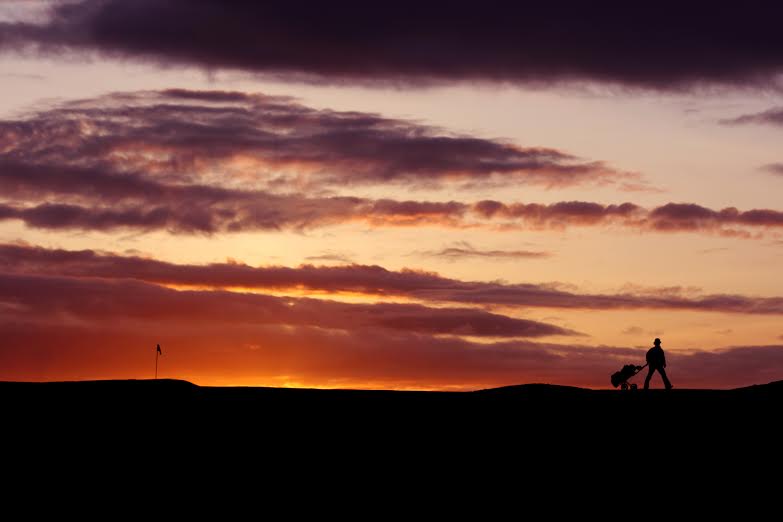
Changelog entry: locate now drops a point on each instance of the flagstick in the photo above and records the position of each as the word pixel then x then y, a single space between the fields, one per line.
pixel 157 353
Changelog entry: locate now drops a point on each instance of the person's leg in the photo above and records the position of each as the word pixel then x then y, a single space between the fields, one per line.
pixel 665 379
pixel 650 371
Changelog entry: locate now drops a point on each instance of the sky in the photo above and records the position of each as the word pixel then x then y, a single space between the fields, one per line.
pixel 448 196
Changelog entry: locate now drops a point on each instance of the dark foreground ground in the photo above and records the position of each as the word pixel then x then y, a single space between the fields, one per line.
pixel 544 433
pixel 531 407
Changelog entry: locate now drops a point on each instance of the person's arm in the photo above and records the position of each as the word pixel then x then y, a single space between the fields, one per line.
pixel 663 358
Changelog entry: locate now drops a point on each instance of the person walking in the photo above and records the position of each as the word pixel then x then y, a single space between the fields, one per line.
pixel 656 360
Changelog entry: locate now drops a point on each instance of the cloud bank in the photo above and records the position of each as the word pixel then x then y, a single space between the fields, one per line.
pixel 272 142
pixel 219 161
pixel 118 300
pixel 670 45
pixel 373 281
pixel 83 314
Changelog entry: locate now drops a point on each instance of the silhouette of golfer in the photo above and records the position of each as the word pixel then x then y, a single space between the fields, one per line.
pixel 656 360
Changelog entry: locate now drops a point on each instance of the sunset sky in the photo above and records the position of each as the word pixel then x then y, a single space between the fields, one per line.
pixel 412 195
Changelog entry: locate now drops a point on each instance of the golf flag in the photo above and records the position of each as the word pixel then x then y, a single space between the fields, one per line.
pixel 157 353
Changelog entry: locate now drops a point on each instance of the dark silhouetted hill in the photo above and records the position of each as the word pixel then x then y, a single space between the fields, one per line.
pixel 511 404
pixel 528 430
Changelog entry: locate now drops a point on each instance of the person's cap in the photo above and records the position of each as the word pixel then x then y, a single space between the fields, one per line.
pixel 657 341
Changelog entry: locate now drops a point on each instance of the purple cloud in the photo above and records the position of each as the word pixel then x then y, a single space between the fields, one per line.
pixel 362 279
pixel 773 168
pixel 451 41
pixel 772 116
pixel 463 249
pixel 270 141
pixel 37 297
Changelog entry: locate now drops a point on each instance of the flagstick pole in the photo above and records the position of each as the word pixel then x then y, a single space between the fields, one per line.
pixel 156 364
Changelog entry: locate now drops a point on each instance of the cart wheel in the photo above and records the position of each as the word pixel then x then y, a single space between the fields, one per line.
pixel 634 387
pixel 624 386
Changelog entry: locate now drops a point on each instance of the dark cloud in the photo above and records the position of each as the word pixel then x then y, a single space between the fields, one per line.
pixel 773 168
pixel 363 279
pixel 675 217
pixel 671 217
pixel 769 117
pixel 331 257
pixel 262 141
pixel 56 216
pixel 218 210
pixel 61 298
pixel 664 45
pixel 235 211
pixel 463 249
pixel 557 215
